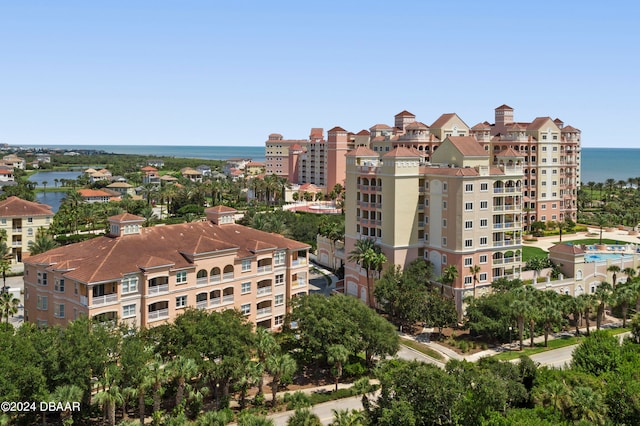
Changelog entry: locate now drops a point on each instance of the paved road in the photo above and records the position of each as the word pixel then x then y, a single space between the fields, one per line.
pixel 324 410
pixel 557 358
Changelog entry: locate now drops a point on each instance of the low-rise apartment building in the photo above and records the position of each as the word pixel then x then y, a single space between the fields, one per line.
pixel 146 276
pixel 21 219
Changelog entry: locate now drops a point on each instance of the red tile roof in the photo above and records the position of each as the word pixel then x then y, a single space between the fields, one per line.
pixel 567 248
pixel 362 151
pixel 380 127
pixel 316 132
pixel 149 169
pixel 17 207
pixel 503 107
pixel 417 125
pixel 509 152
pixel 404 113
pixel 570 129
pixel 363 133
pixel 468 146
pixel 86 193
pixel 126 217
pixel 108 258
pixel 337 129
pixel 401 151
pixel 482 126
pixel 220 209
pixel 539 122
pixel 442 120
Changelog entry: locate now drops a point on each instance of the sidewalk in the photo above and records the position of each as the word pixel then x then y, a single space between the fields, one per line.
pixel 449 353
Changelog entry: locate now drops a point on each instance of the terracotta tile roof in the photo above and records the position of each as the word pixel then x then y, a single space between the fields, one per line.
pixel 168 177
pixel 337 129
pixel 309 187
pixel 539 122
pixel 220 209
pixel 558 122
pixel 404 113
pixel 149 169
pixel 380 127
pixel 295 147
pixel 517 126
pixel 442 120
pixel 468 146
pixel 316 132
pixel 417 125
pixel 85 193
pixel 509 152
pixel 570 129
pixel 363 133
pixel 254 164
pixel 503 107
pixel 401 151
pixel 446 171
pixel 481 126
pixel 106 258
pixel 378 138
pixel 14 207
pixel 119 185
pixel 362 151
pixel 90 170
pixel 567 248
pixel 126 217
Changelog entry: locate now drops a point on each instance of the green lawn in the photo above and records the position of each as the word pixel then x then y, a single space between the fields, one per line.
pixel 591 241
pixel 529 252
pixel 422 348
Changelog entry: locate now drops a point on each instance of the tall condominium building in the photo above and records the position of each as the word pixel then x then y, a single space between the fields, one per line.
pixel 146 276
pixel 462 208
pixel 550 151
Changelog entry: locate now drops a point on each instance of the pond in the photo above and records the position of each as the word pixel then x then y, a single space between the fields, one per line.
pixel 53 199
pixel 50 177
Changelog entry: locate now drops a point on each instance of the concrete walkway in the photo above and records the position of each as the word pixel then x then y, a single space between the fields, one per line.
pixel 617 235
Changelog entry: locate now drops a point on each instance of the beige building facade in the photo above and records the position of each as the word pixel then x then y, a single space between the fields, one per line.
pixel 21 219
pixel 148 276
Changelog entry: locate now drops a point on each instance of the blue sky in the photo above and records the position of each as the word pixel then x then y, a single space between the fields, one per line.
pixel 229 73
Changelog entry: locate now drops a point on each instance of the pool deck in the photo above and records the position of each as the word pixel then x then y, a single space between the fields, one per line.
pixel 622 237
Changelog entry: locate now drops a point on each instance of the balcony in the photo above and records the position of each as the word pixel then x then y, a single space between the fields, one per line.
pixel 227 299
pixel 202 304
pixel 214 279
pixel 159 314
pixel 216 301
pixel 301 282
pixel 298 262
pixel 263 312
pixel 155 289
pixel 227 276
pixel 262 291
pixel 84 300
pixel 263 269
pixel 103 300
pixel 202 281
pixel 16 230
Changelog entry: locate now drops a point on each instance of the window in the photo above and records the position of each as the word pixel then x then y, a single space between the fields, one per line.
pixel 42 278
pixel 544 172
pixel 444 204
pixel 483 258
pixel 468 224
pixel 245 309
pixel 278 300
pixel 279 279
pixel 544 160
pixel 444 186
pixel 29 220
pixel 555 182
pixel 484 187
pixel 181 302
pixel 483 223
pixel 468 187
pixel 468 280
pixel 30 232
pixel 483 276
pixel 279 258
pixel 444 223
pixel 246 265
pixel 468 261
pixel 444 259
pixel 483 241
pixel 130 284
pixel 554 206
pixel 129 311
pixel 43 303
pixel 484 205
pixel 468 243
pixel 279 320
pixel 75 288
pixel 544 148
pixel 181 277
pixel 245 288
pixel 58 310
pixel 543 206
pixel 543 218
pixel 468 206
pixel 59 285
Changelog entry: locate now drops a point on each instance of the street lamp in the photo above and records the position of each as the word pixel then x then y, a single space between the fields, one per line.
pixel 510 328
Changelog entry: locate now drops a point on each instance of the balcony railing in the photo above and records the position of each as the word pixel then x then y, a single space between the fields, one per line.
pixel 155 289
pixel 301 282
pixel 214 279
pixel 216 301
pixel 227 276
pixel 101 300
pixel 202 281
pixel 14 230
pixel 262 269
pixel 201 304
pixel 262 312
pixel 160 313
pixel 264 290
pixel 227 299
pixel 299 261
pixel 84 300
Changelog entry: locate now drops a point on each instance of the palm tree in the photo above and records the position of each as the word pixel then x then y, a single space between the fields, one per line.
pixel 554 394
pixel 45 183
pixel 623 295
pixel 182 369
pixel 474 270
pixel 630 273
pixel 602 220
pixel 8 305
pixel 550 312
pixel 576 305
pixel 522 309
pixel 110 396
pixel 614 269
pixel 266 346
pixel 369 256
pixel 304 417
pixel 42 242
pixel 64 394
pixel 449 276
pixel 587 405
pixel 279 366
pixel 348 418
pixel 337 355
pixel 603 296
pixel 157 377
pixel 588 301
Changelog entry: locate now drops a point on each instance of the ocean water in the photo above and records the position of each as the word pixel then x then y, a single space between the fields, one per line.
pixel 598 164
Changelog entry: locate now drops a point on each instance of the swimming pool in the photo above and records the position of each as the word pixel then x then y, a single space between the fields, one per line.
pixel 601 257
